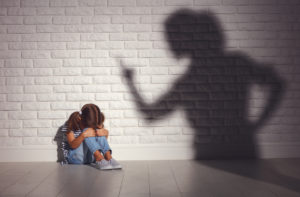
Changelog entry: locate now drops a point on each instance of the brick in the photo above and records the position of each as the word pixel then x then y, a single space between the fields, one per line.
pixel 20 11
pixel 136 10
pixel 124 20
pixel 79 28
pixel 9 37
pixel 94 37
pixel 137 28
pixel 65 37
pixel 96 19
pixel 46 132
pixel 37 89
pixel 109 45
pixel 153 139
pixel 179 2
pixel 65 54
pixel 122 36
pixel 93 53
pixel 96 89
pixel 139 131
pixel 63 3
pixel 108 28
pixel 10 124
pixel 22 46
pixel 3 11
pixel 76 62
pixel 66 88
pixel 23 132
pixel 154 71
pixel 10 3
pixel 80 97
pixel 64 106
pixel 92 3
pixel 115 132
pixel 11 72
pixel 109 96
pixel 37 140
pixel 180 139
pixel 51 97
pixel 3 132
pixel 38 72
pixel 153 53
pixel 51 45
pixel 121 3
pixel 20 97
pixel 67 71
pixel 19 29
pixel 41 20
pixel 48 80
pixel 51 114
pixel 35 106
pixel 10 55
pixel 66 20
pixel 80 11
pixel 123 139
pixel 35 54
pixel 208 2
pixel 167 130
pixel 96 71
pixel 122 54
pixel 11 89
pixel 124 123
pixel 47 63
pixel 107 80
pixel 121 105
pixel 38 37
pixel 34 3
pixel 138 45
pixel 78 80
pixel 50 11
pixel 23 115
pixel 108 10
pixel 50 29
pixel 150 3
pixel 11 20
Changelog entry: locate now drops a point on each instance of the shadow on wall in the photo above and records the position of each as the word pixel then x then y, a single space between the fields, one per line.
pixel 59 139
pixel 214 91
pixel 214 94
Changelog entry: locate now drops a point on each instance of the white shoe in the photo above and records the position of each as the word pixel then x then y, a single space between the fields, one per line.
pixel 115 164
pixel 102 165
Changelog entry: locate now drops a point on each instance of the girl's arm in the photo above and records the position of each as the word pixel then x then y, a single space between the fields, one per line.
pixel 102 132
pixel 75 142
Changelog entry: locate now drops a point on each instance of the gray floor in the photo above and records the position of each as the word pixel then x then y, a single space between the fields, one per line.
pixel 274 177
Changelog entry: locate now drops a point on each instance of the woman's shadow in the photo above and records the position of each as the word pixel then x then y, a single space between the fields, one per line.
pixel 214 92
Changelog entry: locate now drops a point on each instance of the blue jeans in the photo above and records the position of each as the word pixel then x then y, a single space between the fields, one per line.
pixel 85 152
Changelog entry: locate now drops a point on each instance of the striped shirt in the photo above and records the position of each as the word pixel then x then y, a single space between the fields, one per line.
pixel 65 147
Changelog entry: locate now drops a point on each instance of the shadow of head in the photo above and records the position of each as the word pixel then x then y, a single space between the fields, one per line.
pixel 188 31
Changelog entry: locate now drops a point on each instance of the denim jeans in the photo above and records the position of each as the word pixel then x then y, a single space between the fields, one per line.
pixel 85 152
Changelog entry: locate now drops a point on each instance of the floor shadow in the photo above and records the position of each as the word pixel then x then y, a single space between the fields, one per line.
pixel 214 92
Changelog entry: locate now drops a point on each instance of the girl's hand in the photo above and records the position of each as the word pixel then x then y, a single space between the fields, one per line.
pixel 89 133
pixel 102 132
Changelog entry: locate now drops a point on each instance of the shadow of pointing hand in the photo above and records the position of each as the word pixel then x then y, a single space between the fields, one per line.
pixel 126 72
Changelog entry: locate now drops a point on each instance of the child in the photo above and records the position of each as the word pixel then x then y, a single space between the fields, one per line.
pixel 87 139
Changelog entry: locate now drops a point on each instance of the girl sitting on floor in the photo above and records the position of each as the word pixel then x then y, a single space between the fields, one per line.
pixel 87 139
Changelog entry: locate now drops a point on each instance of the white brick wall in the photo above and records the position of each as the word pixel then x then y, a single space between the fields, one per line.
pixel 56 55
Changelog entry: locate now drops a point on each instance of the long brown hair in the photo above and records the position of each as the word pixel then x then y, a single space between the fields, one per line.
pixel 73 123
pixel 91 116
